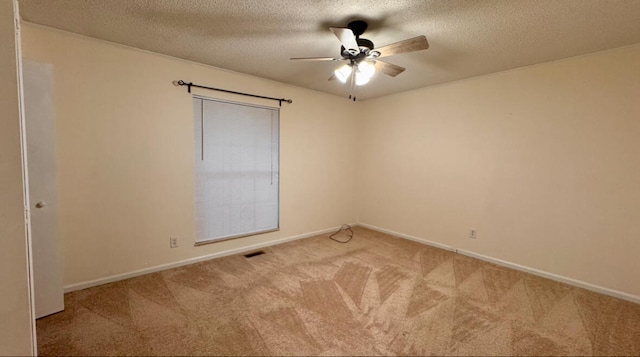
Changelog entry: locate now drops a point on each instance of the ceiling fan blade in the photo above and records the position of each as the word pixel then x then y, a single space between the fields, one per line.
pixel 389 69
pixel 413 44
pixel 315 59
pixel 347 38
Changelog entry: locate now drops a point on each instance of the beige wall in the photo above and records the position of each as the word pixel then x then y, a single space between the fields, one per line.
pixel 15 310
pixel 543 161
pixel 125 163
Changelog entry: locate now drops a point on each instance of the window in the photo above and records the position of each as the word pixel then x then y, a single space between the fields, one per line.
pixel 237 168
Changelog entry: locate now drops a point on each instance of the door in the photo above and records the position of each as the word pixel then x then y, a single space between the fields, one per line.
pixel 41 165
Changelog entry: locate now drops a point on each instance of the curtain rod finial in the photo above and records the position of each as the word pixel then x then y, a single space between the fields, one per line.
pixel 176 83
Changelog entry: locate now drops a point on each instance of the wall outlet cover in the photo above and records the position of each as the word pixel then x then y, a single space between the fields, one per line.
pixel 173 242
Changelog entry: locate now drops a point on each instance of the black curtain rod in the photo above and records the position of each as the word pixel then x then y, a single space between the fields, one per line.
pixel 189 85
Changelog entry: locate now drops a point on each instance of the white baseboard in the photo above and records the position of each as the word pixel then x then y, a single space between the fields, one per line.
pixel 157 268
pixel 406 236
pixel 541 273
pixel 555 277
pixel 533 271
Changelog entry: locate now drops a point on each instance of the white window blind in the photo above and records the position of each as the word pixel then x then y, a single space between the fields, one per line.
pixel 237 167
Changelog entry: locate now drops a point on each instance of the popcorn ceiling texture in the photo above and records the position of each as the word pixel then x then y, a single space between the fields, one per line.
pixel 376 295
pixel 467 38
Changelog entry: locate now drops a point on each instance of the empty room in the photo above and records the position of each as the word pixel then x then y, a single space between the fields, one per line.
pixel 412 177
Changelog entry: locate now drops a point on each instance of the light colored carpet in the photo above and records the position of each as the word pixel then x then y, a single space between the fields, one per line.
pixel 376 295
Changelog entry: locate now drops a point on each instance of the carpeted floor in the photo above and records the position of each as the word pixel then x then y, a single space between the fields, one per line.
pixel 376 295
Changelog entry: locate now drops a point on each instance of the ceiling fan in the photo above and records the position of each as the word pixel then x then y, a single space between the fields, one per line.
pixel 363 58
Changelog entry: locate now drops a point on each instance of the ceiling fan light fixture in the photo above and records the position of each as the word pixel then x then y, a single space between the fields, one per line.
pixel 364 72
pixel 366 68
pixel 362 55
pixel 343 73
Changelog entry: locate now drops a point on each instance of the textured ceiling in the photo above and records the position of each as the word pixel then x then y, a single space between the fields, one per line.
pixel 467 38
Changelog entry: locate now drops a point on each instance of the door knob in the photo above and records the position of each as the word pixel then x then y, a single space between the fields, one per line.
pixel 40 204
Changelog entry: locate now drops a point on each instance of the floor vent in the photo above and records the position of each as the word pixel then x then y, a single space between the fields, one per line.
pixel 251 255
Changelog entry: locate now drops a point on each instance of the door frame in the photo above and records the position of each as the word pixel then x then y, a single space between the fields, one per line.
pixel 25 173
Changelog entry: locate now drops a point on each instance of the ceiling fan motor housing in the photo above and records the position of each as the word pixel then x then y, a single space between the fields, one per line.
pixel 365 47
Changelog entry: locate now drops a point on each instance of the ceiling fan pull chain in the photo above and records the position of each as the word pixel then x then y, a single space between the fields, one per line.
pixel 353 85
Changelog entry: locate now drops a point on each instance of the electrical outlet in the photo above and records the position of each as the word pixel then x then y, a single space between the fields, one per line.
pixel 173 242
pixel 473 234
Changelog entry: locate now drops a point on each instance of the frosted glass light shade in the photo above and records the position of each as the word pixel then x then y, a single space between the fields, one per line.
pixel 361 79
pixel 366 68
pixel 364 72
pixel 343 73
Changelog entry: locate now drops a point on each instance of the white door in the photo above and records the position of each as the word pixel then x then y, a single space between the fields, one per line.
pixel 41 159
